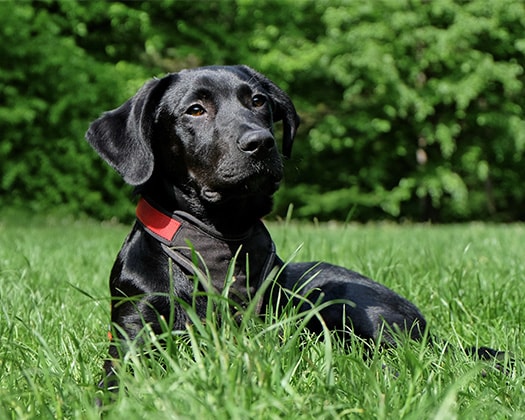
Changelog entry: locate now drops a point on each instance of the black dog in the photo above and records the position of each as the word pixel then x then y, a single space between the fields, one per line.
pixel 199 146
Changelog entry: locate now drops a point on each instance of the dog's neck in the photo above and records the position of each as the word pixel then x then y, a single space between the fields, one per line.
pixel 233 217
pixel 208 255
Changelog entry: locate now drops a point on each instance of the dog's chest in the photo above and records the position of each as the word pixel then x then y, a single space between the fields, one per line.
pixel 239 263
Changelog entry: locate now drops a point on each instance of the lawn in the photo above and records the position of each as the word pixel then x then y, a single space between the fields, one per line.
pixel 466 279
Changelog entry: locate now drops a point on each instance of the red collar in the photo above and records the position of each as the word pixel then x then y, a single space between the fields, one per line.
pixel 157 222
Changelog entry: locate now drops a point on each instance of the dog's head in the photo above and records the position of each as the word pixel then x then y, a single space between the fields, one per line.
pixel 209 130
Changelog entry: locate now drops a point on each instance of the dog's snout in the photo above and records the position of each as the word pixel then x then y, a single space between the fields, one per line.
pixel 256 142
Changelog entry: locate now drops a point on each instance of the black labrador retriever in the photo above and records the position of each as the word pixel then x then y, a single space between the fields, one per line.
pixel 200 148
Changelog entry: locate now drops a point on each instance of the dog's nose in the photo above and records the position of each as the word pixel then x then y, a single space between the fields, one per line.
pixel 256 142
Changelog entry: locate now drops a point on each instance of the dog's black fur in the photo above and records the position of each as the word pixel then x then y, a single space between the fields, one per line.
pixel 201 141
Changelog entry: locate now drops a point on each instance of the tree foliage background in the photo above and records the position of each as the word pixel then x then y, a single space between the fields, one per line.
pixel 410 109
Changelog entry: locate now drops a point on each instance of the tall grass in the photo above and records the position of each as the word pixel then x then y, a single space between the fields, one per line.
pixel 467 280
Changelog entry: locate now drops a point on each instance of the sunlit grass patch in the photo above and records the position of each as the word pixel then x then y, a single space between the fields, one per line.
pixel 467 280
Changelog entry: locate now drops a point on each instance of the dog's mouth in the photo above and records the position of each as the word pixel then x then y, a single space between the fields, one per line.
pixel 250 187
pixel 238 180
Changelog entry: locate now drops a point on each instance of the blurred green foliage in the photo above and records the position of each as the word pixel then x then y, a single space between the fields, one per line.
pixel 410 109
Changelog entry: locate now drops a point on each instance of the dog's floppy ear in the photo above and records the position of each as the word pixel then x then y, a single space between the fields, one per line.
pixel 122 137
pixel 284 110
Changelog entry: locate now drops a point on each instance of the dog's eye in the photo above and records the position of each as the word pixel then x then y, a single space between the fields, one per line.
pixel 195 110
pixel 258 100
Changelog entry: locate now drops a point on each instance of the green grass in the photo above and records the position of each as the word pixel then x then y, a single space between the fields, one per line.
pixel 467 280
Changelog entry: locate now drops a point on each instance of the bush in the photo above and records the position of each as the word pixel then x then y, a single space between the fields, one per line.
pixel 410 109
